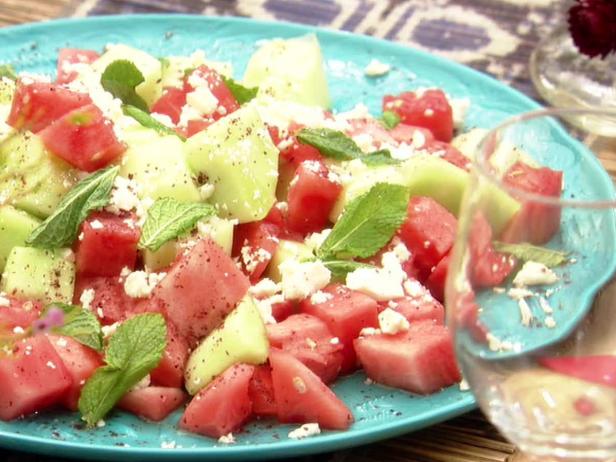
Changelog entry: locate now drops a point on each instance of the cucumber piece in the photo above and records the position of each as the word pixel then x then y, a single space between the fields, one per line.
pixel 31 178
pixel 157 164
pixel 237 156
pixel 151 89
pixel 7 90
pixel 174 68
pixel 241 338
pixel 39 274
pixel 220 231
pixel 287 250
pixel 290 70
pixel 15 227
pixel 163 257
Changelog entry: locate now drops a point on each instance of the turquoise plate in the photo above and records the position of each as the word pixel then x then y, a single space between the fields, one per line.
pixel 380 412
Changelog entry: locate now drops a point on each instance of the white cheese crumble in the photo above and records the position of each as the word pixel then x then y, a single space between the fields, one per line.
pixel 101 423
pixel 534 273
pixel 140 284
pixel 376 68
pixel 305 431
pixel 62 342
pixel 315 240
pixel 265 307
pixel 265 288
pixel 109 330
pixel 163 119
pixel 206 191
pixel 299 280
pixel 335 341
pixel 4 301
pixel 464 386
pixel 320 297
pixel 525 312
pixel 368 331
pixel 18 330
pixel 381 284
pixel 299 385
pixel 202 100
pixel 459 108
pixel 227 439
pixel 545 306
pixel 86 298
pixel 168 445
pixel 253 257
pixel 96 224
pixel 391 322
pixel 50 365
pixel 143 383
pixel 549 322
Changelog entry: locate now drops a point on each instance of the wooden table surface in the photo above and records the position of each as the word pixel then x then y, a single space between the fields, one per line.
pixel 495 36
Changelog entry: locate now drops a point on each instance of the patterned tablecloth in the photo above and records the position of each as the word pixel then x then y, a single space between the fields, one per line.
pixel 495 36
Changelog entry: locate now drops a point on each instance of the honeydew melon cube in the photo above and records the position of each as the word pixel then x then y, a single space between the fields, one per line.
pixel 237 156
pixel 39 274
pixel 15 227
pixel 287 250
pixel 151 89
pixel 157 164
pixel 241 338
pixel 290 70
pixel 31 178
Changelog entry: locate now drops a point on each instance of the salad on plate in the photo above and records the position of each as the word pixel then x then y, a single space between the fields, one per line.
pixel 171 237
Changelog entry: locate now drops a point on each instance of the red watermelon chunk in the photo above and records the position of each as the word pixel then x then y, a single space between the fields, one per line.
pixel 38 104
pixel 221 407
pixel 312 195
pixel 420 306
pixel 68 56
pixel 420 360
pixel 489 268
pixel 110 303
pixel 84 138
pixel 535 223
pixel 254 244
pixel 201 288
pixel 32 379
pixel 107 244
pixel 171 103
pixel 18 313
pixel 170 370
pixel 80 362
pixel 309 339
pixel 429 231
pixel 302 397
pixel 599 369
pixel 408 134
pixel 346 314
pixel 152 403
pixel 438 277
pixel 449 153
pixel 261 392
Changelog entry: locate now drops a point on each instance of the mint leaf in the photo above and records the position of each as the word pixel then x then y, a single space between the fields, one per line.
pixel 6 70
pixel 168 218
pixel 330 143
pixel 390 119
pixel 80 324
pixel 120 78
pixel 148 121
pixel 60 228
pixel 381 157
pixel 241 93
pixel 528 252
pixel 340 268
pixel 134 349
pixel 367 223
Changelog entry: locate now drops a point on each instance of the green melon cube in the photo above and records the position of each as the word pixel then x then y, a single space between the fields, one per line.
pixel 157 164
pixel 151 89
pixel 241 338
pixel 290 70
pixel 31 178
pixel 39 274
pixel 220 231
pixel 237 156
pixel 15 227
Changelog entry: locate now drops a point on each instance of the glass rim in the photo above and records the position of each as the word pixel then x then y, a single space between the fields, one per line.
pixel 484 169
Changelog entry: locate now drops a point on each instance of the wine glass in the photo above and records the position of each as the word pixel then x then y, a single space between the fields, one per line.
pixel 531 290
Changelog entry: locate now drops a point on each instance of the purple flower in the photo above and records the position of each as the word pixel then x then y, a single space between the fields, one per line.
pixel 592 24
pixel 53 318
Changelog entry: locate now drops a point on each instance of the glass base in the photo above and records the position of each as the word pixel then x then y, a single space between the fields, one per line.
pixel 566 78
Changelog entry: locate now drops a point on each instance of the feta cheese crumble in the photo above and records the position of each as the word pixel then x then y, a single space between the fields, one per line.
pixel 300 280
pixel 316 240
pixel 320 297
pixel 4 301
pixel 140 284
pixel 265 288
pixel 305 431
pixel 534 273
pixel 86 298
pixel 227 439
pixel 96 224
pixel 376 68
pixel 381 284
pixel 391 322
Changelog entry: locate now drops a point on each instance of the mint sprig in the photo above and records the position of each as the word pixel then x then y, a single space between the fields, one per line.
pixel 6 70
pixel 60 228
pixel 146 120
pixel 168 219
pixel 381 157
pixel 120 78
pixel 241 93
pixel 80 324
pixel 528 252
pixel 367 224
pixel 390 119
pixel 134 349
pixel 330 143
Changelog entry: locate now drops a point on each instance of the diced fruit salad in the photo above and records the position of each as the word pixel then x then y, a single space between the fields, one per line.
pixel 170 235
